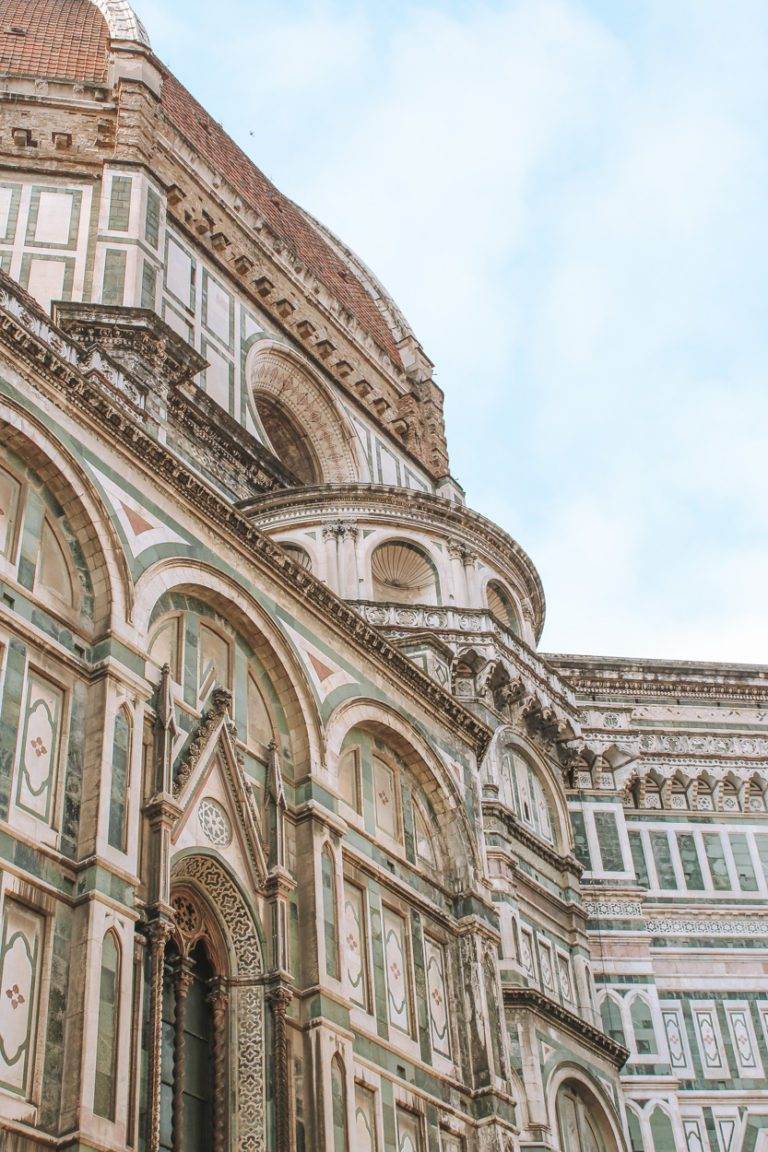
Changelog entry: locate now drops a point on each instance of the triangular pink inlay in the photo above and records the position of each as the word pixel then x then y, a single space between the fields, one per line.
pixel 322 670
pixel 136 521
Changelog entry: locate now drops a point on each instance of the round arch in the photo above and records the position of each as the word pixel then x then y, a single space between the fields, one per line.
pixel 383 536
pixel 425 766
pixel 255 625
pixel 506 737
pixel 571 1080
pixel 303 416
pixel 83 505
pixel 502 603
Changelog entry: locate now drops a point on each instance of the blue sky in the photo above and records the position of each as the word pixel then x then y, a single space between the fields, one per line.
pixel 567 199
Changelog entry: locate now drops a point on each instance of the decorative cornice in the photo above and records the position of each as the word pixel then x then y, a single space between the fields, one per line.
pixel 91 397
pixel 550 1010
pixel 681 681
pixel 539 847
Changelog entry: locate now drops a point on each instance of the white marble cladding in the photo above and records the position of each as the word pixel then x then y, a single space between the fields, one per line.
pixel 459 627
pixel 126 253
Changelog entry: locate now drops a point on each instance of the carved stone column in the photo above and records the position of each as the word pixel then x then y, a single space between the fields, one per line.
pixel 219 1001
pixel 343 534
pixel 182 980
pixel 158 933
pixel 279 997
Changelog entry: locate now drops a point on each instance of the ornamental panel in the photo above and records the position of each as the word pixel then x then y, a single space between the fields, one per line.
pixel 434 956
pixel 365 1120
pixel 19 979
pixel 355 951
pixel 396 959
pixel 39 747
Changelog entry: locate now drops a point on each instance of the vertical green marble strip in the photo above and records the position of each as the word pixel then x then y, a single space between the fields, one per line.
pixel 422 1009
pixel 10 718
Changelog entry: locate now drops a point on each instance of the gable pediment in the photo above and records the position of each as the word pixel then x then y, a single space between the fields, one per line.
pixel 216 799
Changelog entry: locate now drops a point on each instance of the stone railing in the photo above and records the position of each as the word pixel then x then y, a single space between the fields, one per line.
pixel 460 627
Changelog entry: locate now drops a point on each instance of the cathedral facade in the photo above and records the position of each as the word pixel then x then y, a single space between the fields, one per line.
pixel 304 845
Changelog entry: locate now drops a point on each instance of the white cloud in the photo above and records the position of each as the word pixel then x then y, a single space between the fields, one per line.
pixel 566 199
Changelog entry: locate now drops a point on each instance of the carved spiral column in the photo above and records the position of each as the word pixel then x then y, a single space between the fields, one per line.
pixel 158 932
pixel 279 997
pixel 182 980
pixel 219 1001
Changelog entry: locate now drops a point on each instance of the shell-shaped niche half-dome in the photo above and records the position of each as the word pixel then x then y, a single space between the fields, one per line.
pixel 402 574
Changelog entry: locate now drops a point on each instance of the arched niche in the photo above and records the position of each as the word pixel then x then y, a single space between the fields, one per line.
pixel 509 753
pixel 246 617
pixel 501 604
pixel 397 746
pixel 582 1117
pixel 83 549
pixel 403 572
pixel 299 418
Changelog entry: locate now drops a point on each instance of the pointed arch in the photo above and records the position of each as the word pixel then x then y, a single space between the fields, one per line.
pixel 240 940
pixel 570 1078
pixel 460 845
pixel 107 1038
pixel 508 740
pixel 120 775
pixel 77 495
pixel 251 620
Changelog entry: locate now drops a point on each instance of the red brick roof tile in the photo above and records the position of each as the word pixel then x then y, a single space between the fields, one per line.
pixel 282 215
pixel 69 40
pixel 55 39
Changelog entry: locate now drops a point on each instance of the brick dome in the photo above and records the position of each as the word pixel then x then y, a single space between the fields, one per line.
pixel 63 39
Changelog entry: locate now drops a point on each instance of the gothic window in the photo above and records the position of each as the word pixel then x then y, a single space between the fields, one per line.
pixel 10 506
pixel 53 572
pixel 349 778
pixel 118 796
pixel 422 835
pixel 643 1027
pixel 403 574
pixel 527 795
pixel 188 1052
pixel 330 914
pixel 662 1132
pixel 259 724
pixel 213 664
pixel 636 1143
pixel 501 605
pixel 579 1131
pixel 106 1036
pixel 366 1137
pixel 339 1105
pixel 164 645
pixel 613 1024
